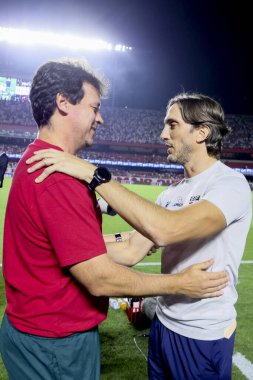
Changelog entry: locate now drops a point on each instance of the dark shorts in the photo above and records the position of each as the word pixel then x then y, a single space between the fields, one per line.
pixel 173 356
pixel 30 357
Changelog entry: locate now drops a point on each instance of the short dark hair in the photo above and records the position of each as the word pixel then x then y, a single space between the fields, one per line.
pixel 65 76
pixel 198 109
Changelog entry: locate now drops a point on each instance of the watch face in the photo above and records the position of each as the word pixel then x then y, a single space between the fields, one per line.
pixel 103 174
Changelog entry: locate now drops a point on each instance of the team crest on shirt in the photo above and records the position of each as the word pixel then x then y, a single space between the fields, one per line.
pixel 179 202
pixel 194 198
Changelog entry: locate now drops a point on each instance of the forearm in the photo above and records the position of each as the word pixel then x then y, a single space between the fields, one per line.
pixel 163 226
pixel 129 252
pixel 111 238
pixel 143 215
pixel 141 284
pixel 102 277
pixel 107 278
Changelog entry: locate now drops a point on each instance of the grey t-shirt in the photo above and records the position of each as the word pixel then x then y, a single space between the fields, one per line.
pixel 207 319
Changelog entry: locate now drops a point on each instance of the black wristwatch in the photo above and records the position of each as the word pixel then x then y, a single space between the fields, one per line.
pixel 101 175
pixel 118 238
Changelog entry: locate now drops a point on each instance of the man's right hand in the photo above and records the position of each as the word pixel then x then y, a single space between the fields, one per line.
pixel 196 282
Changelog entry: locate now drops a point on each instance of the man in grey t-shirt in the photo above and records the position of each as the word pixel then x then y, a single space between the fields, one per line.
pixel 206 215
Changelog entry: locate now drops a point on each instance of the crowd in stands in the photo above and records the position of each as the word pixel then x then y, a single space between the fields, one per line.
pixel 242 132
pixel 125 157
pixel 92 155
pixel 120 125
pixel 12 149
pixel 131 125
pixel 16 112
pixel 125 174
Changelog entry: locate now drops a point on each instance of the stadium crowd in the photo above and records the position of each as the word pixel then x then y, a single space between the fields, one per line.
pixel 121 125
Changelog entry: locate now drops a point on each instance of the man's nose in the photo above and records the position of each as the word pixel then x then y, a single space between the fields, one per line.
pixel 99 118
pixel 165 133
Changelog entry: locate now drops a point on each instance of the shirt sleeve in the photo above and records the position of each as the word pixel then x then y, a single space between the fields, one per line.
pixel 72 221
pixel 231 194
pixel 159 199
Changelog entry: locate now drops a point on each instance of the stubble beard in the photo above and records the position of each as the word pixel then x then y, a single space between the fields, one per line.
pixel 182 157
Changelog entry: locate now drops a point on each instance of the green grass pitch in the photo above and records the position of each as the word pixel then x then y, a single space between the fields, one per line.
pixel 121 358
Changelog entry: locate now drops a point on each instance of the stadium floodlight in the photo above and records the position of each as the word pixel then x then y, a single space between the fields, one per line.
pixel 29 37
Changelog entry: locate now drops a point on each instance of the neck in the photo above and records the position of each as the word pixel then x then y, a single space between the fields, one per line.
pixel 50 135
pixel 198 165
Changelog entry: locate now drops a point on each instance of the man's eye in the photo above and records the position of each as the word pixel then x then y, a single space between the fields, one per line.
pixel 96 109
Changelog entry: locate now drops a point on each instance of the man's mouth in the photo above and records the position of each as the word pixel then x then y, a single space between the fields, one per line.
pixel 169 147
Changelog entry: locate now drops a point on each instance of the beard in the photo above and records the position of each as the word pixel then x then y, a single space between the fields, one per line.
pixel 182 156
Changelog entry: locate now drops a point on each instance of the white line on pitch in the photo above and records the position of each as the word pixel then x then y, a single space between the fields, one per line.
pixel 157 263
pixel 244 365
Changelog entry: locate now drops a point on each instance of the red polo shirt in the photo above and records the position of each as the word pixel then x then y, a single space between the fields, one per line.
pixel 48 227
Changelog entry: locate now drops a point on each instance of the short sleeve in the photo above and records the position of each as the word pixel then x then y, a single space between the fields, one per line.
pixel 231 194
pixel 159 199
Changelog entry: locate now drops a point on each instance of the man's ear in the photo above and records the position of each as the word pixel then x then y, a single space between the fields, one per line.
pixel 202 133
pixel 62 103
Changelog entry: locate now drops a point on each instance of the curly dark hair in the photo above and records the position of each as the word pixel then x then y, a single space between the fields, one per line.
pixel 65 76
pixel 198 109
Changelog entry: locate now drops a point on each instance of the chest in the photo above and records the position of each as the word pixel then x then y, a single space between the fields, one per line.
pixel 183 194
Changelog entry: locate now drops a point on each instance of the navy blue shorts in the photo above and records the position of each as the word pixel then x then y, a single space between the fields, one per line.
pixel 30 357
pixel 173 356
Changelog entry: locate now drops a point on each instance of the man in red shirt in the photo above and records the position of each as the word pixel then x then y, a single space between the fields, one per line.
pixel 58 275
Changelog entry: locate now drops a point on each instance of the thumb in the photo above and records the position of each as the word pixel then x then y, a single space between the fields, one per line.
pixel 205 264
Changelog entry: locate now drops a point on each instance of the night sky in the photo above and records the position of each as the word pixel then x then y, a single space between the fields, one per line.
pixel 203 46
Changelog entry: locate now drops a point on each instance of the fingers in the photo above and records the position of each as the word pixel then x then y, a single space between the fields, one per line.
pixel 200 266
pixel 49 170
pixel 215 284
pixel 46 154
pixel 43 162
pixel 217 278
pixel 214 280
pixel 52 166
pixel 205 264
pixel 214 290
pixel 213 294
pixel 152 250
pixel 202 284
pixel 46 157
pixel 36 166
